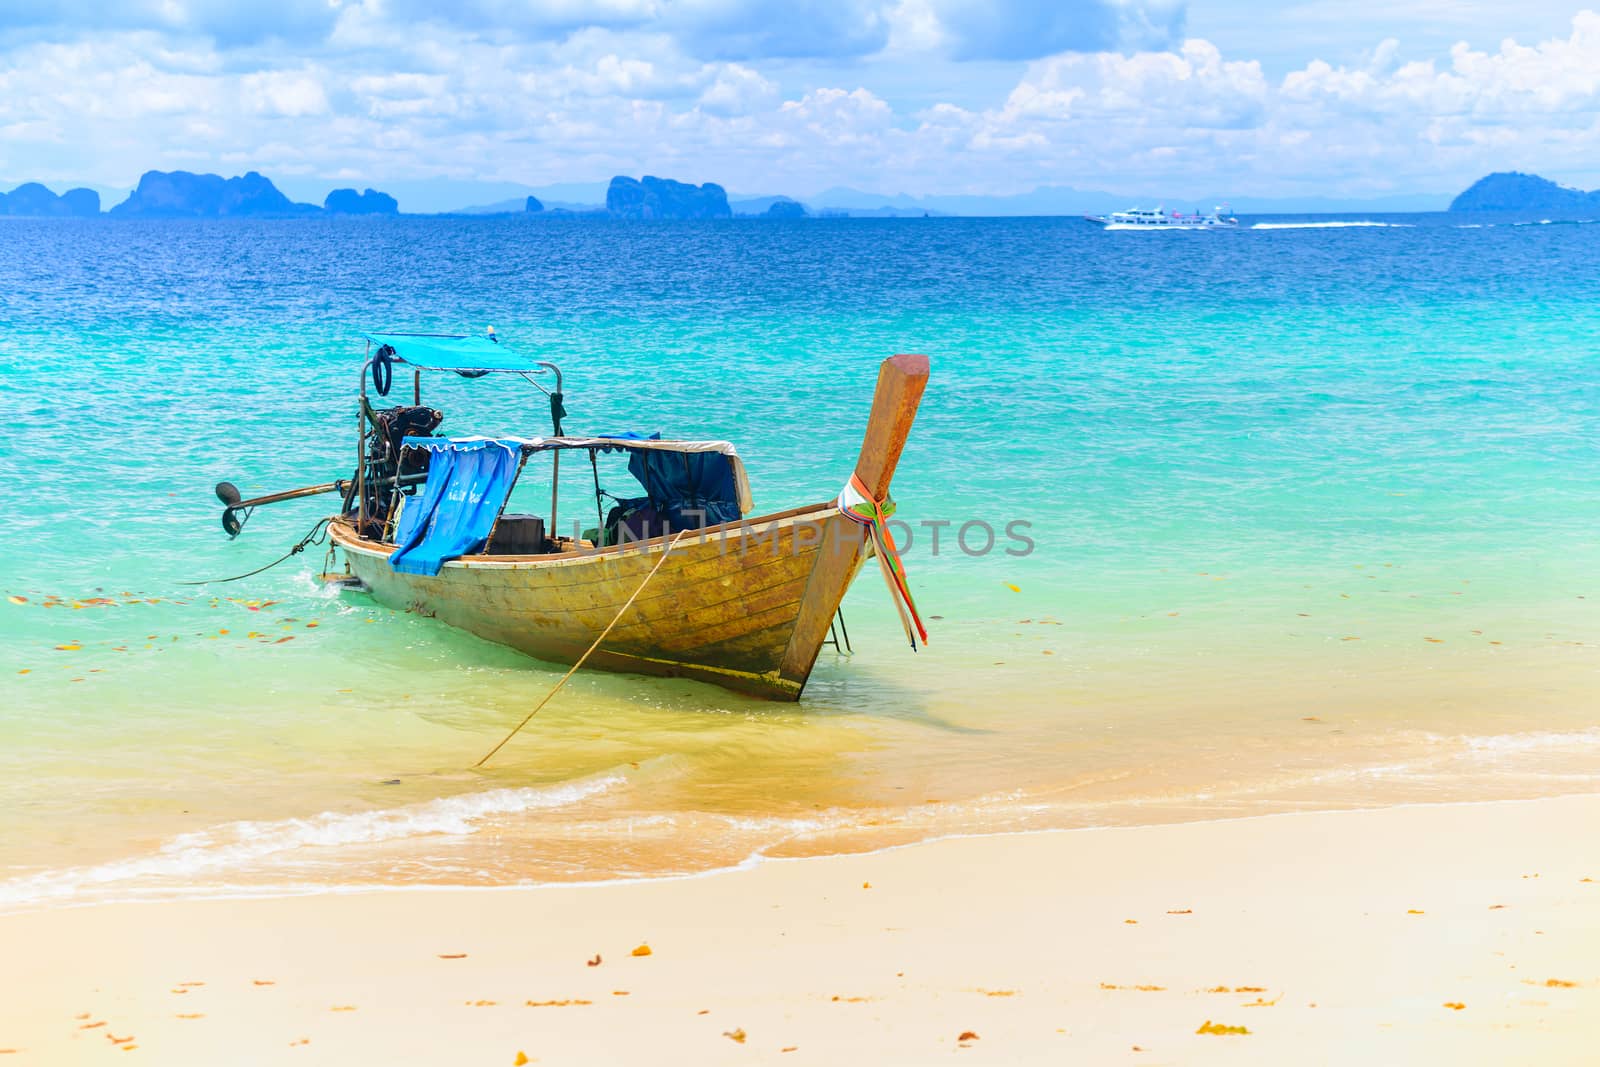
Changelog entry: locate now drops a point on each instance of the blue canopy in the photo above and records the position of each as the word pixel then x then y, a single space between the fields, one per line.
pixel 461 354
pixel 701 484
pixel 468 482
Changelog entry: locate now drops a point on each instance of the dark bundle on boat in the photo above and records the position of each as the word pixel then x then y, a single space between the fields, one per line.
pixel 389 462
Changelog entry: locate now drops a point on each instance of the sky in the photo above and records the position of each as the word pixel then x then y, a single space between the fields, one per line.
pixel 1351 98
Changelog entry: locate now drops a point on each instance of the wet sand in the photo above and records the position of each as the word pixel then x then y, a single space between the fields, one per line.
pixel 1464 933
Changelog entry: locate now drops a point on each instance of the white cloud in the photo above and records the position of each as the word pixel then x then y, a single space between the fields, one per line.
pixel 286 93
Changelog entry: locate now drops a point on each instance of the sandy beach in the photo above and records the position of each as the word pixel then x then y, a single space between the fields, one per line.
pixel 1464 933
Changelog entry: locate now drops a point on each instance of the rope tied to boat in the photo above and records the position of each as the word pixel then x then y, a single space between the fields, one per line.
pixel 857 504
pixel 584 658
pixel 313 538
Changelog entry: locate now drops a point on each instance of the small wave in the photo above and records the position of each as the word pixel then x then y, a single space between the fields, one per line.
pixel 1338 224
pixel 1535 741
pixel 1558 222
pixel 237 844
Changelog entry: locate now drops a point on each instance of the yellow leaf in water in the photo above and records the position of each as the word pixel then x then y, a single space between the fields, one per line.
pixel 642 950
pixel 1013 588
pixel 1209 1027
pixel 18 599
pixel 69 648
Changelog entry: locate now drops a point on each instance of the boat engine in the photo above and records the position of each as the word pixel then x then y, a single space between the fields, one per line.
pixel 388 475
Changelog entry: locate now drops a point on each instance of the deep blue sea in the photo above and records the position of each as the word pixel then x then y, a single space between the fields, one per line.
pixel 1313 505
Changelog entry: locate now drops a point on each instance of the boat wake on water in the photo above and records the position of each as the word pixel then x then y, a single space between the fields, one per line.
pixel 1337 224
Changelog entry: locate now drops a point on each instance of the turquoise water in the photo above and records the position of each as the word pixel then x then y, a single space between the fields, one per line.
pixel 1313 513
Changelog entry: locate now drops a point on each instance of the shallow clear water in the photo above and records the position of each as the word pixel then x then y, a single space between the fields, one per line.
pixel 1313 515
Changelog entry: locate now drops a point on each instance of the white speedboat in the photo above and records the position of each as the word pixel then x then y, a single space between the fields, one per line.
pixel 1162 219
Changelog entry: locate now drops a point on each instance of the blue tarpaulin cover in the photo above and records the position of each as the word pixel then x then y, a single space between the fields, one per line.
pixel 693 489
pixel 468 482
pixel 460 354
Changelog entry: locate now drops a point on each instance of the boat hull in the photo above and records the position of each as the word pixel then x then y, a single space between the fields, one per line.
pixel 746 606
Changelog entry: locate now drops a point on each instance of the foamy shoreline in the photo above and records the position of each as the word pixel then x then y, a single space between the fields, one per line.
pixel 1338 936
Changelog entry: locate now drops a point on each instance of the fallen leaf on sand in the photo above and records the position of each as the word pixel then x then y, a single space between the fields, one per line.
pixel 85 1015
pixel 866 885
pixel 642 950
pixel 1454 1005
pixel 1209 1027
pixel 343 1007
pixel 620 993
pixel 790 1048
pixel 596 961
pixel 192 1015
pixel 265 981
pixel 129 1048
pixel 735 1035
pixel 480 1003
pixel 118 1040
pixel 191 985
pixel 1413 911
pixel 850 1000
pixel 452 955
pixel 302 1041
pixel 1130 922
pixel 555 1003
pixel 967 1035
pixel 1557 983
pixel 522 1058
pixel 1496 907
pixel 1181 911
pixel 998 992
pixel 91 1026
pixel 703 1011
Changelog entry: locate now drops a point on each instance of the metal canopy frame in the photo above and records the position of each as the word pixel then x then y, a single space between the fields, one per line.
pixel 362 433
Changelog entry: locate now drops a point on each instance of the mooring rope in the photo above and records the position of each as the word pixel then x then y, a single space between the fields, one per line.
pixel 581 659
pixel 311 538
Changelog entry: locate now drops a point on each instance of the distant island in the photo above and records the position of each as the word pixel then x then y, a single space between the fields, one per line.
pixel 370 202
pixel 663 198
pixel 179 194
pixel 32 200
pixel 1514 191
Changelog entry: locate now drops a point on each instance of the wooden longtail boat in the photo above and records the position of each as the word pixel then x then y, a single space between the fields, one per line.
pixel 743 604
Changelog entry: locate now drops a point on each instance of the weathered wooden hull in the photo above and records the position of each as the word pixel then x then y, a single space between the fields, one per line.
pixel 745 606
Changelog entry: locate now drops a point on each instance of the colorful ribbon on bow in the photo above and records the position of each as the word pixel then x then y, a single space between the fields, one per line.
pixel 857 505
